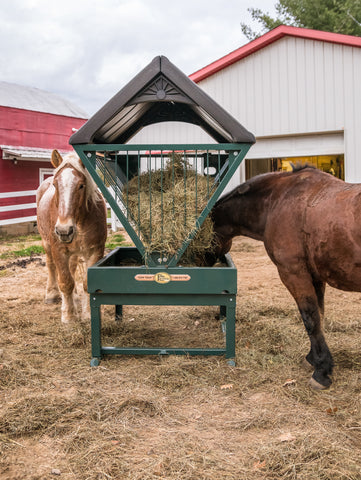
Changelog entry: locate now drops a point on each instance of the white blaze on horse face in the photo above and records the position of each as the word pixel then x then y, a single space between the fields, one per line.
pixel 67 182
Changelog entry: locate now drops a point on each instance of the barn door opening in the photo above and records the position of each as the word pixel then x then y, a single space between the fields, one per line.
pixel 333 164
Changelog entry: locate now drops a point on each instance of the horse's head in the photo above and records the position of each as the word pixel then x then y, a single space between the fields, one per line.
pixel 70 183
pixel 227 221
pixel 223 234
pixel 220 248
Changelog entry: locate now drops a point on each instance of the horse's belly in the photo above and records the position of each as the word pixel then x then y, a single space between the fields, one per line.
pixel 339 266
pixel 333 242
pixel 343 281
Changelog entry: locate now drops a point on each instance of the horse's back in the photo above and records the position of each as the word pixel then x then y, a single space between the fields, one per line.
pixel 44 195
pixel 43 187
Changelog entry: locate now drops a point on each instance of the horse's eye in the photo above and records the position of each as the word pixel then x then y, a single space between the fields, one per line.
pixel 81 186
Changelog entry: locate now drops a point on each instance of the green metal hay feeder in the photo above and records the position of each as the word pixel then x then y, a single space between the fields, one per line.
pixel 154 190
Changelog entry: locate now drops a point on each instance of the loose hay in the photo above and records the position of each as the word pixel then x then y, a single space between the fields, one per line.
pixel 42 413
pixel 146 418
pixel 165 205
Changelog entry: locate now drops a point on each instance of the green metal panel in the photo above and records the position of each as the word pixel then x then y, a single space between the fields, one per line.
pixel 107 276
pixel 111 284
pixel 224 299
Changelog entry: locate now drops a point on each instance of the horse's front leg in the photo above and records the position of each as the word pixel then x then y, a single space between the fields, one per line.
pixel 52 294
pixel 308 301
pixel 66 285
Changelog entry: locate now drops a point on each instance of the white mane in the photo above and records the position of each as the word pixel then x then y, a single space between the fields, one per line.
pixel 72 159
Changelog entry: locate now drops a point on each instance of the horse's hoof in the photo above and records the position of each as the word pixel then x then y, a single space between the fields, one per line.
pixel 69 320
pixel 306 364
pixel 51 300
pixel 318 386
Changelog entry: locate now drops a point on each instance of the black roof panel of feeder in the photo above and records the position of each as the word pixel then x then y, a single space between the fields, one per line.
pixel 159 93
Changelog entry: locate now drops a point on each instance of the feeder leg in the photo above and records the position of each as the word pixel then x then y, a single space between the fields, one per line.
pixel 231 335
pixel 94 362
pixel 118 313
pixel 95 335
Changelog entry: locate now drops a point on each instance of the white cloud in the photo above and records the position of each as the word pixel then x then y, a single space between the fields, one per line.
pixel 86 50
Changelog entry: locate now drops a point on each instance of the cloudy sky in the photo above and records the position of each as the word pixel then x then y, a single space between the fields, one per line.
pixel 87 50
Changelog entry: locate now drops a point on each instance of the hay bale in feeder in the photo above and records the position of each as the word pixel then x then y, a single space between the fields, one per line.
pixel 164 206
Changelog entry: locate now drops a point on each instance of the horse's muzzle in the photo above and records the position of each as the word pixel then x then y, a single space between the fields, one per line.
pixel 65 233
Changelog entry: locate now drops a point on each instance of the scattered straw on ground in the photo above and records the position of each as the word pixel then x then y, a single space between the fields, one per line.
pixel 186 418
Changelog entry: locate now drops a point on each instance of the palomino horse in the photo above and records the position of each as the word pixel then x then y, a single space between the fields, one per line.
pixel 72 223
pixel 309 222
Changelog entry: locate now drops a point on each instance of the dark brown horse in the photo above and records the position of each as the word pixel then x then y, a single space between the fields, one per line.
pixel 72 223
pixel 309 222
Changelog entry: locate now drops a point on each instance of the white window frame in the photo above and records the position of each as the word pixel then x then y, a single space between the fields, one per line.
pixel 43 172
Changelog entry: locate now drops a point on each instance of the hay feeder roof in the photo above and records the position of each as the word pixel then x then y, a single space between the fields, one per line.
pixel 159 93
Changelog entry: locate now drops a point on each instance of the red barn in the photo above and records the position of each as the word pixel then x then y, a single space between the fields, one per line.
pixel 32 123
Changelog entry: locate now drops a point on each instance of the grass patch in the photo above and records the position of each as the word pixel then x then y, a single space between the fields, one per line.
pixel 116 240
pixel 11 239
pixel 24 252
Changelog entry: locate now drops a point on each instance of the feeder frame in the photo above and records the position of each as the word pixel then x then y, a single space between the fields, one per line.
pixel 159 93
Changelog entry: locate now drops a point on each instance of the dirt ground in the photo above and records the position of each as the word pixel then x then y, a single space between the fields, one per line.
pixel 145 418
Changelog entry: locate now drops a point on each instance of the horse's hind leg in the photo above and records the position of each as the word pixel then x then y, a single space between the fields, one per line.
pixel 83 290
pixel 319 287
pixel 309 300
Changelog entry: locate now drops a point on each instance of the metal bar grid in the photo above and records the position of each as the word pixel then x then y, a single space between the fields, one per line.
pixel 114 166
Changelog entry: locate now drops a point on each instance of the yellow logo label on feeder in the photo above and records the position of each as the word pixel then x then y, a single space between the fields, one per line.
pixel 162 277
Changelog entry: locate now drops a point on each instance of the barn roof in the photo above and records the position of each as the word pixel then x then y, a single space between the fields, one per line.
pixel 10 152
pixel 34 99
pixel 268 38
pixel 159 93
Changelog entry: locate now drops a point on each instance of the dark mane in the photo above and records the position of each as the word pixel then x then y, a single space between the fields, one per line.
pixel 299 166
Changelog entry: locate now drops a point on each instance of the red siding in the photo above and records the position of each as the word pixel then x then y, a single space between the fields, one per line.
pixel 36 129
pixel 26 128
pixel 22 176
pixel 16 178
pixel 29 212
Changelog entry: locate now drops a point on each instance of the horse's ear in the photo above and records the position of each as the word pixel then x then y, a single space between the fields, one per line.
pixel 243 188
pixel 56 158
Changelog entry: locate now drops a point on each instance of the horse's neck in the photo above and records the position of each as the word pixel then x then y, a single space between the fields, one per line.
pixel 252 220
pixel 88 213
pixel 251 214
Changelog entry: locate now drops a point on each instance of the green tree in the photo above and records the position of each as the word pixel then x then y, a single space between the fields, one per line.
pixel 339 16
